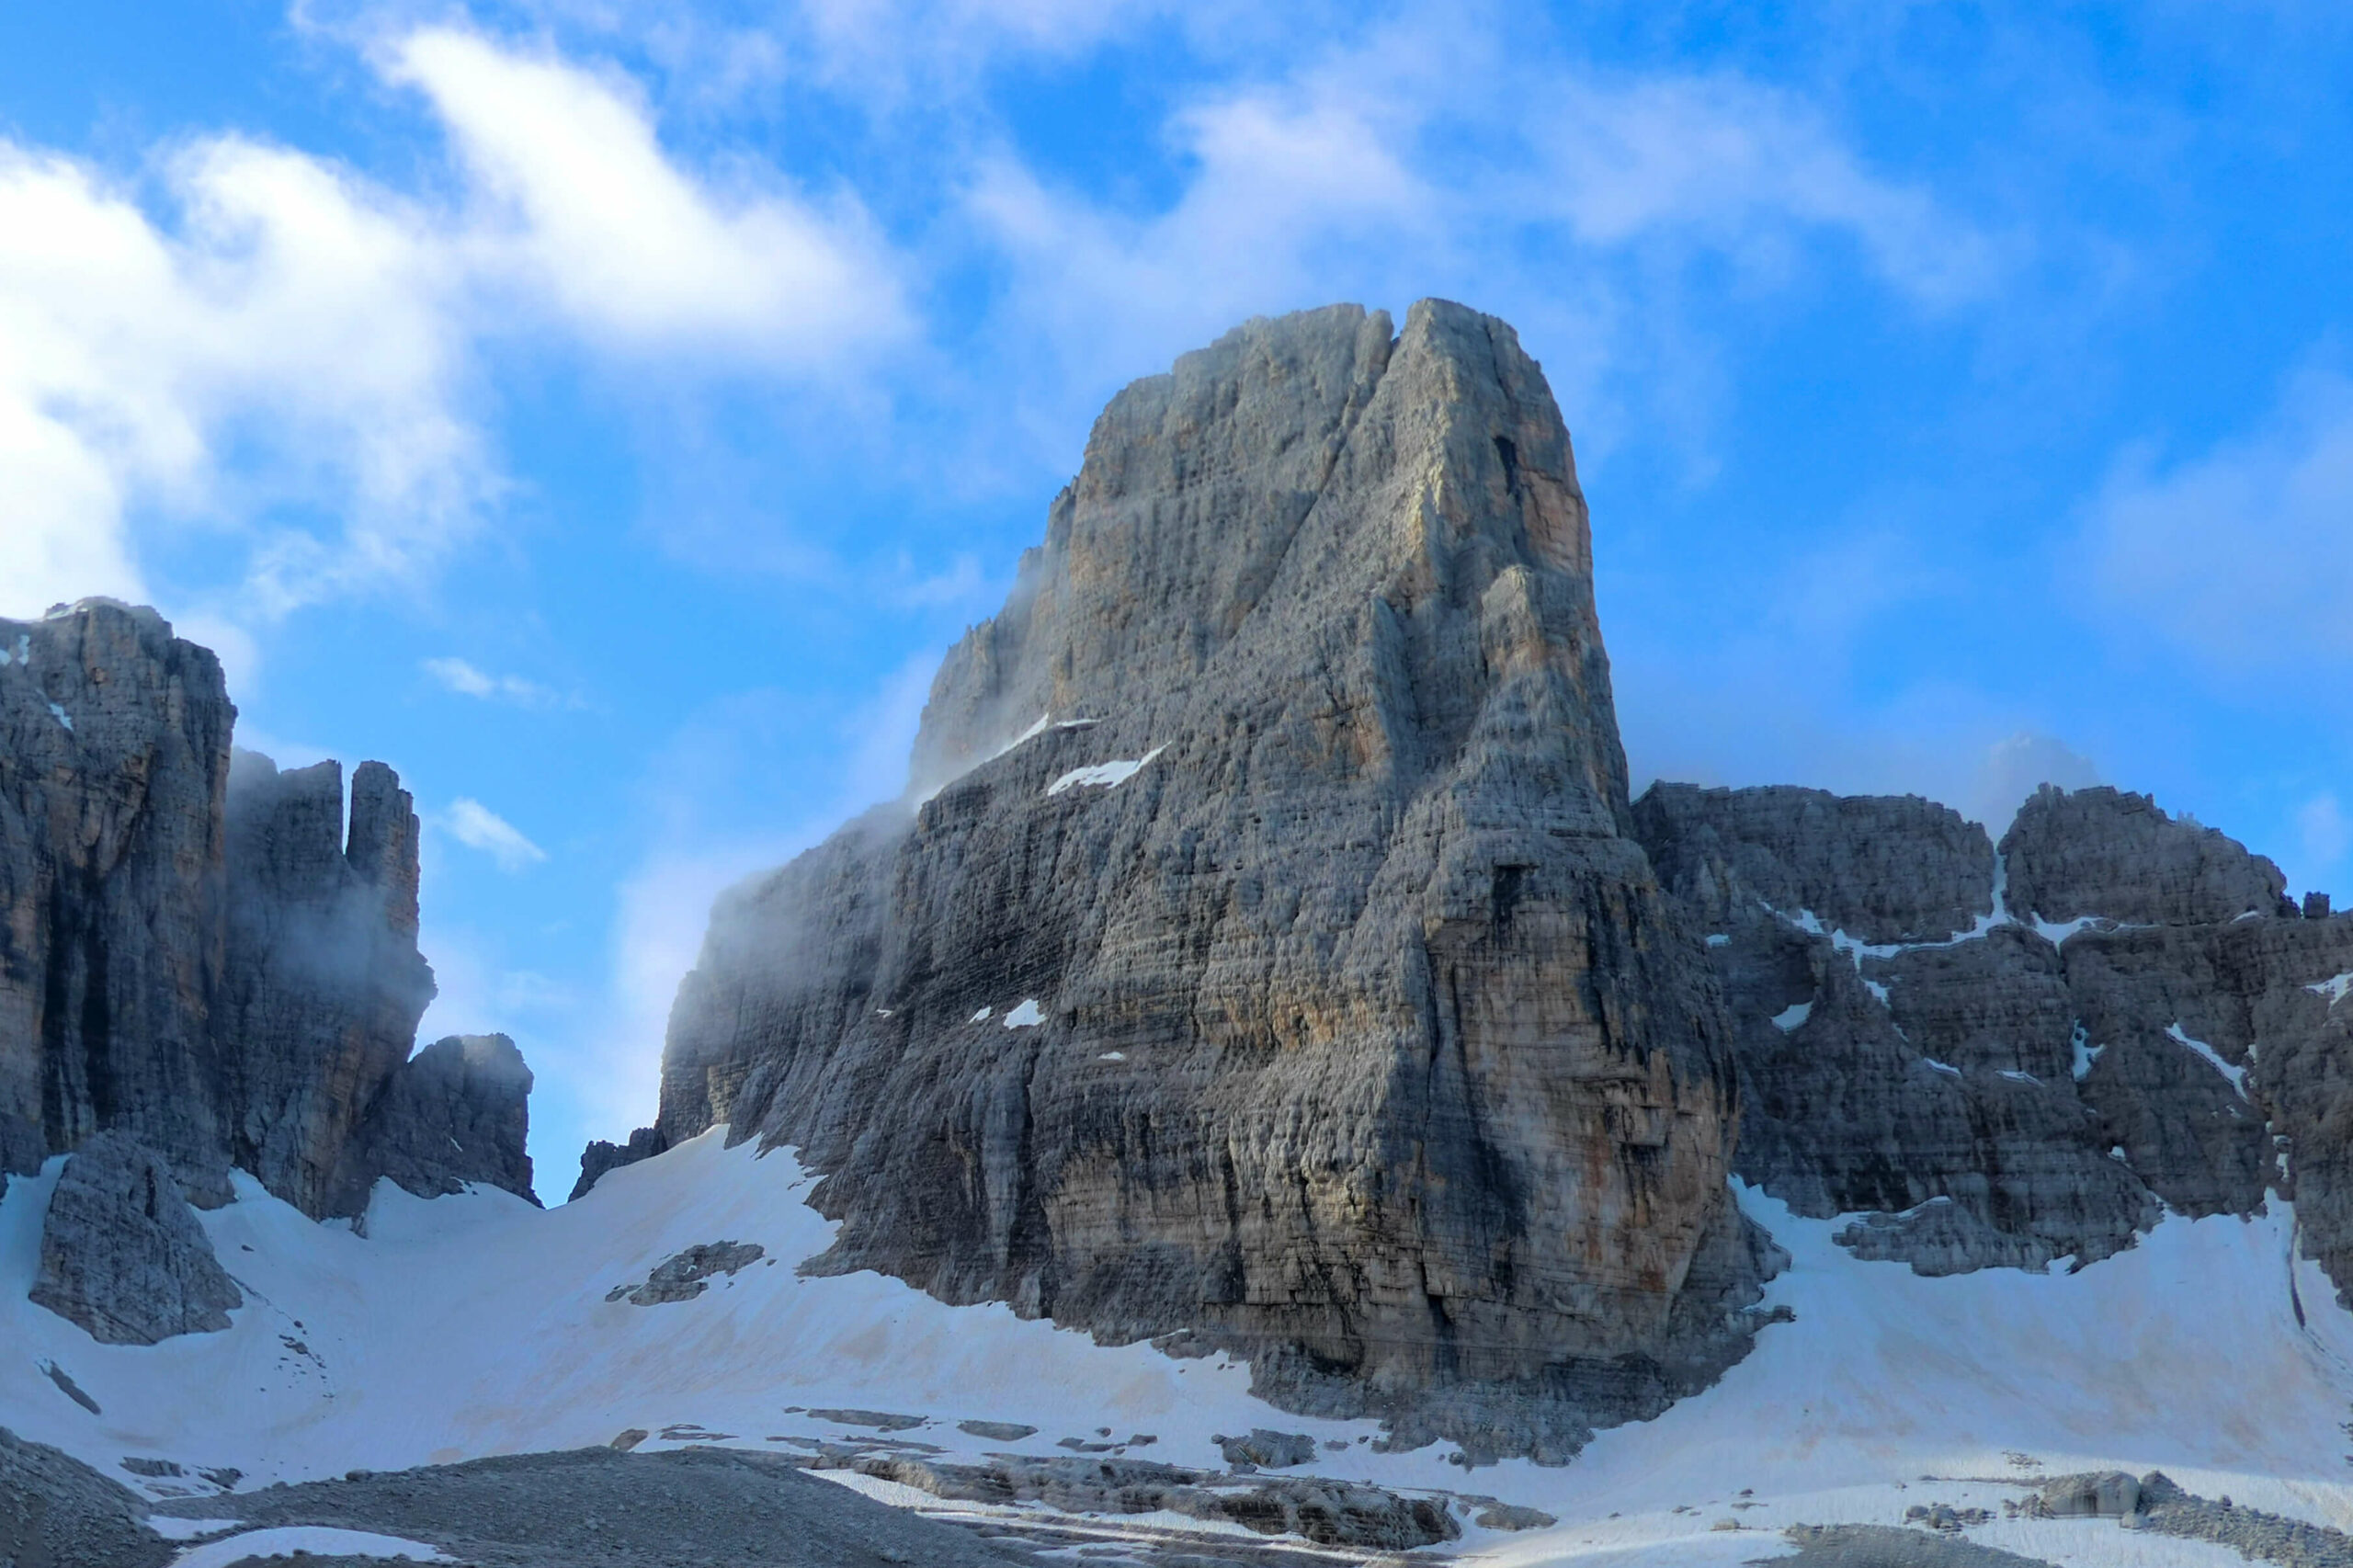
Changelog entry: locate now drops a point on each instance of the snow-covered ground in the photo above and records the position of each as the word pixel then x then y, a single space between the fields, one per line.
pixel 477 1324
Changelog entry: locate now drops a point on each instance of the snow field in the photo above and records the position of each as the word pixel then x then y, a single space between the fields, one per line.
pixel 315 1540
pixel 477 1324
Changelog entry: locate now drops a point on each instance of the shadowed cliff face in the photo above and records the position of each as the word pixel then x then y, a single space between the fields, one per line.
pixel 1270 959
pixel 200 956
pixel 114 751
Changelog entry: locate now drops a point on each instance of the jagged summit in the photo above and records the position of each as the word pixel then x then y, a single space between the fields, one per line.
pixel 1275 966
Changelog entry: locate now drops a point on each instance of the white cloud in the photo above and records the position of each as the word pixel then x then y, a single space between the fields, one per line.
pixel 291 307
pixel 2242 555
pixel 1368 172
pixel 2017 767
pixel 476 826
pixel 260 301
pixel 467 680
pixel 1737 166
pixel 575 202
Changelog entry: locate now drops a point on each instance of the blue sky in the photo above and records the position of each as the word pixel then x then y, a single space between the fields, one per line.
pixel 607 412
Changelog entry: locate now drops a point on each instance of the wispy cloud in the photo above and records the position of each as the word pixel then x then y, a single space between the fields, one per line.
pixel 1573 198
pixel 574 201
pixel 2327 832
pixel 476 826
pixel 467 680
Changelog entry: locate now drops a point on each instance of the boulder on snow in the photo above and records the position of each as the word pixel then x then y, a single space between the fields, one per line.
pixel 121 1253
pixel 1267 1449
pixel 2103 1495
pixel 684 1275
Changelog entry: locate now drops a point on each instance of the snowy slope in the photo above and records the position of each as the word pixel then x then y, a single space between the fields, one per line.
pixel 477 1324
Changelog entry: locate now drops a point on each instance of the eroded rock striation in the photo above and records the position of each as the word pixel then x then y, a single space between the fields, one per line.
pixel 201 954
pixel 2125 1015
pixel 1273 959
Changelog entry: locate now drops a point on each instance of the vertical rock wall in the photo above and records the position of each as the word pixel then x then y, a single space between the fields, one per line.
pixel 114 751
pixel 1272 963
pixel 323 985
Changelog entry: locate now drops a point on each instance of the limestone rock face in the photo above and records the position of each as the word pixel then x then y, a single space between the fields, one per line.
pixel 1273 960
pixel 55 1511
pixel 2099 852
pixel 114 751
pixel 1982 1094
pixel 1917 1069
pixel 1882 869
pixel 197 953
pixel 122 1253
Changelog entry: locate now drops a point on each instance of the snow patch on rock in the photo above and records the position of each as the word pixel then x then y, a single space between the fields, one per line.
pixel 1103 775
pixel 2237 1076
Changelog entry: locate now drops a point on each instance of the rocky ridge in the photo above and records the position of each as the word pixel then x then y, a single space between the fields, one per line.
pixel 2012 1056
pixel 199 954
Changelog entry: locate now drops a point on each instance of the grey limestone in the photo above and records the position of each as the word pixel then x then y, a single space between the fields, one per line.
pixel 2148 1026
pixel 603 1509
pixel 114 753
pixel 56 1512
pixel 1366 1043
pixel 122 1253
pixel 457 1112
pixel 325 984
pixel 1881 867
pixel 600 1156
pixel 685 1275
pixel 1268 1448
pixel 2112 853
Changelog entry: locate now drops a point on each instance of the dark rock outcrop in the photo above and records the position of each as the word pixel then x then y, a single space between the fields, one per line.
pixel 2116 855
pixel 686 1275
pixel 2041 1079
pixel 1274 960
pixel 600 1156
pixel 1329 1513
pixel 121 1253
pixel 200 955
pixel 323 983
pixel 458 1111
pixel 1882 869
